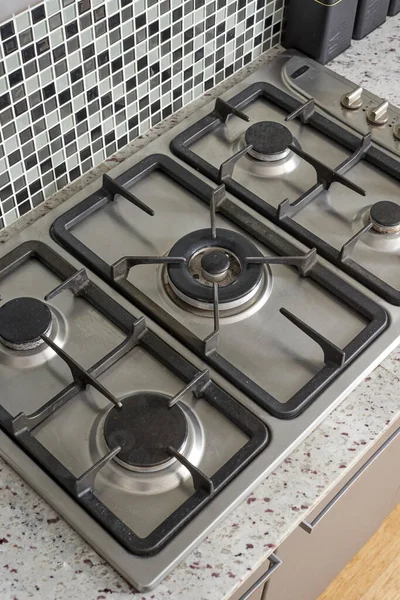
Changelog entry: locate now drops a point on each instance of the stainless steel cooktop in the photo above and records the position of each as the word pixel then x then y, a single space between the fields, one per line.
pixel 183 340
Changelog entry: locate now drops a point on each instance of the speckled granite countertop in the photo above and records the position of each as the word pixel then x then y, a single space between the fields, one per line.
pixel 41 557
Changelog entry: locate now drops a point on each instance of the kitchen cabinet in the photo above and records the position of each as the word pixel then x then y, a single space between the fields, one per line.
pixel 335 531
pixel 312 558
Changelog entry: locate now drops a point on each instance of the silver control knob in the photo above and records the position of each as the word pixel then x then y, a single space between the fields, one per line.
pixel 378 115
pixel 352 100
pixel 396 131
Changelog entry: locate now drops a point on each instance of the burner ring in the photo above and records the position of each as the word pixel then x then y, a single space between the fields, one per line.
pixel 23 321
pixel 270 141
pixel 144 428
pixel 192 291
pixel 385 217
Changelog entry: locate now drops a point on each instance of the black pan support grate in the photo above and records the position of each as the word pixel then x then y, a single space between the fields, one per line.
pixel 361 148
pixel 336 359
pixel 21 428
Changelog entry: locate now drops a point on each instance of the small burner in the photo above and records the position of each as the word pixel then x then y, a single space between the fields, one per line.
pixel 144 428
pixel 210 260
pixel 22 322
pixel 215 265
pixel 270 141
pixel 385 217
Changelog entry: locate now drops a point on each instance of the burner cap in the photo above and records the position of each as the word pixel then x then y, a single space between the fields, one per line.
pixel 22 322
pixel 215 264
pixel 385 217
pixel 270 141
pixel 226 255
pixel 144 428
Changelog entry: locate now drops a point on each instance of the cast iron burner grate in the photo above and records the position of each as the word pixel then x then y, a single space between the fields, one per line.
pixel 21 428
pixel 335 359
pixel 362 148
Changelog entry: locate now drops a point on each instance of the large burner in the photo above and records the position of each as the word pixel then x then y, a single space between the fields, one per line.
pixel 385 217
pixel 22 322
pixel 208 260
pixel 144 428
pixel 269 140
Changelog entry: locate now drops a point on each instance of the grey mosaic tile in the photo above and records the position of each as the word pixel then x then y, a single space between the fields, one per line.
pixel 81 78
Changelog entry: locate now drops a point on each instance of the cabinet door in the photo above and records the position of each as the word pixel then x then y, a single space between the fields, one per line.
pixel 356 510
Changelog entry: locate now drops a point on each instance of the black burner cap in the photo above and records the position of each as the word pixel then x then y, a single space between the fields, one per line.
pixel 215 262
pixel 144 428
pixel 385 214
pixel 268 138
pixel 23 321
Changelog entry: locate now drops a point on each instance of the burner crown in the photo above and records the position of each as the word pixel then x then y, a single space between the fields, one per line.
pixel 270 141
pixel 23 321
pixel 385 217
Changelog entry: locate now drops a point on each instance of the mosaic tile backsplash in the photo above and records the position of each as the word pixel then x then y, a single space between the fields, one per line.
pixel 80 79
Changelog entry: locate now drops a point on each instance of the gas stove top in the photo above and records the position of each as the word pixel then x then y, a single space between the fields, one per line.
pixel 171 333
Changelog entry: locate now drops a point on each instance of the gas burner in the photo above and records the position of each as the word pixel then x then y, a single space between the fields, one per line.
pixel 22 323
pixel 144 428
pixel 212 260
pixel 385 217
pixel 270 141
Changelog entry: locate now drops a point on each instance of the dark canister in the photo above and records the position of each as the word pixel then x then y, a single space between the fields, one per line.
pixel 394 8
pixel 322 29
pixel 370 14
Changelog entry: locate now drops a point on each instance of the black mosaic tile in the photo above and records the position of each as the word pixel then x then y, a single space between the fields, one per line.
pixel 22 196
pixel 140 21
pixel 76 74
pixel 59 52
pixel 114 21
pixel 38 13
pixel 81 115
pixel 103 58
pixel 60 169
pixel 10 45
pixel 95 133
pixel 7 30
pixel 5 101
pixel 5 193
pixel 15 77
pixel 24 208
pixel 75 173
pixel 37 113
pixel 71 29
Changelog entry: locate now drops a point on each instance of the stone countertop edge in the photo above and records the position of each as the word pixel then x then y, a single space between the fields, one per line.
pixel 42 557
